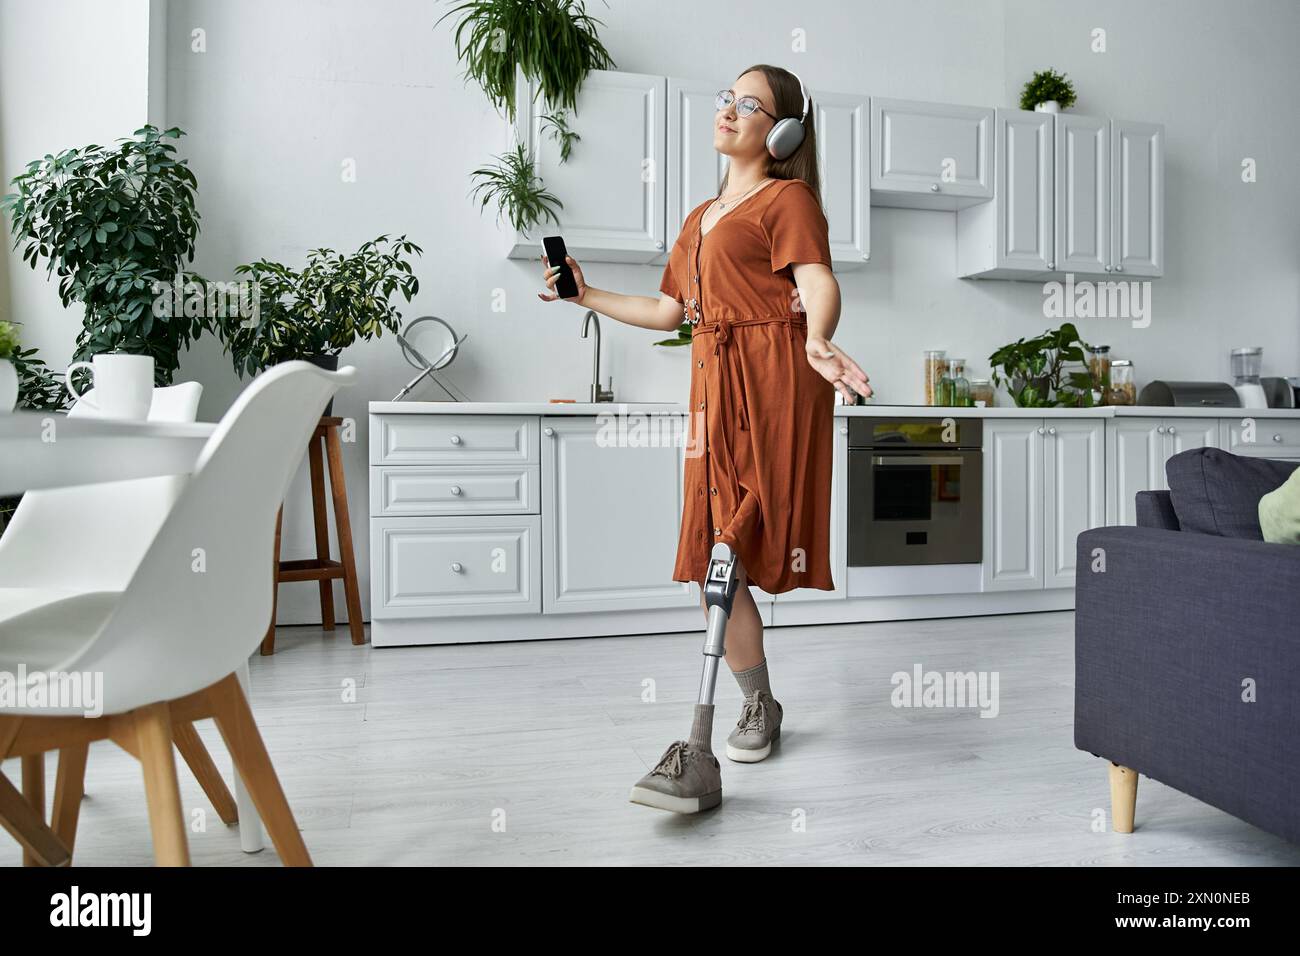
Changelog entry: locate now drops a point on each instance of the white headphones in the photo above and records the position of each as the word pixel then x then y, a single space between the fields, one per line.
pixel 786 135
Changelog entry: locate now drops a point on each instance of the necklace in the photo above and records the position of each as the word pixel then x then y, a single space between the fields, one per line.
pixel 724 205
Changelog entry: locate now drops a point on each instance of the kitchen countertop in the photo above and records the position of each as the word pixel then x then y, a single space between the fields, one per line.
pixel 843 411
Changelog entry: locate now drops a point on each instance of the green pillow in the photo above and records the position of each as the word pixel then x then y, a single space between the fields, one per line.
pixel 1279 512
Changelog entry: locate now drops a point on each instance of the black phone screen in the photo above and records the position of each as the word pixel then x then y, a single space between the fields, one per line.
pixel 556 253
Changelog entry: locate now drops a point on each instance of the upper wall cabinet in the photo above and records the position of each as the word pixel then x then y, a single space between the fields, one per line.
pixel 612 187
pixel 695 168
pixel 1075 194
pixel 843 147
pixel 1014 234
pixel 930 155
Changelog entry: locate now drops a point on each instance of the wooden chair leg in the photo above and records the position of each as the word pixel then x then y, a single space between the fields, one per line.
pixel 342 524
pixel 239 730
pixel 153 731
pixel 321 524
pixel 25 825
pixel 34 790
pixel 1123 797
pixel 190 744
pixel 69 788
pixel 268 642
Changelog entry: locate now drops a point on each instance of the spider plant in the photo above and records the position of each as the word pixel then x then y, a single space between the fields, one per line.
pixel 520 195
pixel 553 42
pixel 557 124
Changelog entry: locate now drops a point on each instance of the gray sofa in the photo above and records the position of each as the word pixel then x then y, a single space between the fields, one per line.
pixel 1188 612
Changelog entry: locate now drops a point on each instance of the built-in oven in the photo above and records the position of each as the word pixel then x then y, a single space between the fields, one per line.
pixel 915 491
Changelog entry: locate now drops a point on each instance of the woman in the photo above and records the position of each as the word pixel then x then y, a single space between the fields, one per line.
pixel 763 305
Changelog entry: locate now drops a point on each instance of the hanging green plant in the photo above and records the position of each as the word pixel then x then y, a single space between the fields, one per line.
pixel 557 124
pixel 520 196
pixel 1047 85
pixel 553 42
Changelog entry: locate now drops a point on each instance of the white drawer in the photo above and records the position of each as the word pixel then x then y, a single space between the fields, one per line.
pixel 1273 438
pixel 453 439
pixel 446 567
pixel 453 490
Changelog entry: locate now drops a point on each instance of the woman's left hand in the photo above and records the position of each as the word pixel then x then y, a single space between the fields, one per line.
pixel 837 368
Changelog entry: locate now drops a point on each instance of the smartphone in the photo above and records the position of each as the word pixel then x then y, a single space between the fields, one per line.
pixel 556 254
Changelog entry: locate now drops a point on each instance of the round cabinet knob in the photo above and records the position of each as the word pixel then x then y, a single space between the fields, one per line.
pixel 1160 429
pixel 455 489
pixel 1277 438
pixel 866 256
pixel 659 245
pixel 1051 265
pixel 548 431
pixel 455 439
pixel 1040 429
pixel 1108 268
pixel 456 567
pixel 1172 430
pixel 1051 431
pixel 1119 268
pixel 844 429
pixel 934 187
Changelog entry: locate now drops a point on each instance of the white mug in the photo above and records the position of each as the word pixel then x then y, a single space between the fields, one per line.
pixel 123 385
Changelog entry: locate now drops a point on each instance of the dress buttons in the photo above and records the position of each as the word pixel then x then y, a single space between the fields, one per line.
pixel 701 404
pixel 713 490
pixel 699 365
pixel 717 531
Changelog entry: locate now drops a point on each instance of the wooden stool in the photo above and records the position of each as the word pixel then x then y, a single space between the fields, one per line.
pixel 320 568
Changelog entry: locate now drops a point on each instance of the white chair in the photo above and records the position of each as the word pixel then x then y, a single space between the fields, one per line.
pixel 91 538
pixel 171 644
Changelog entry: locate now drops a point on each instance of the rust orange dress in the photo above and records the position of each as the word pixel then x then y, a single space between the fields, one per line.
pixel 759 436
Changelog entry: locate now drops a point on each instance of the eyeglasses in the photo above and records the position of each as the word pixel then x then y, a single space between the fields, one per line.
pixel 745 106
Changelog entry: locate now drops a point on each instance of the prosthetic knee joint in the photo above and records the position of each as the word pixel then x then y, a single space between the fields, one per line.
pixel 719 592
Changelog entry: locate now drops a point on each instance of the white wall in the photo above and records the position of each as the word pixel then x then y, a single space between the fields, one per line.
pixel 287 91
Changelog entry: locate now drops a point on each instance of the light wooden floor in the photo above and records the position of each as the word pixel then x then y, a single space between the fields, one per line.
pixel 524 753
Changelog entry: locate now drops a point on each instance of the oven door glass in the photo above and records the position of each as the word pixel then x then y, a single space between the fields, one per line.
pixel 915 507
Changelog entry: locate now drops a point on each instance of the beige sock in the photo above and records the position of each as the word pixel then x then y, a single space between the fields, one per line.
pixel 753 679
pixel 702 730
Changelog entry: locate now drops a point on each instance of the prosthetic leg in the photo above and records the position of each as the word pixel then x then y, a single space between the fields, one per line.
pixel 688 778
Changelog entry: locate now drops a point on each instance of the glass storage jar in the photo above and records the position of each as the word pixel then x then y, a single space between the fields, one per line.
pixel 934 366
pixel 1123 389
pixel 981 393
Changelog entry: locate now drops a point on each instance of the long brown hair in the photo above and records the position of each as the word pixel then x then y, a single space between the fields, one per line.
pixel 802 164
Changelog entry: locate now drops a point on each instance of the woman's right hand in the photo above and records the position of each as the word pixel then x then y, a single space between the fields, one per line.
pixel 552 275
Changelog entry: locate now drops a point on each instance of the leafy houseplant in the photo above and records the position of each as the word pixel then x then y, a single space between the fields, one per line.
pixel 513 184
pixel 8 373
pixel 1047 86
pixel 1034 370
pixel 111 222
pixel 553 42
pixel 318 311
pixel 683 336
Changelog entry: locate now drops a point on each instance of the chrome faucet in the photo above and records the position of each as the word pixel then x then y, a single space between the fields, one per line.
pixel 598 394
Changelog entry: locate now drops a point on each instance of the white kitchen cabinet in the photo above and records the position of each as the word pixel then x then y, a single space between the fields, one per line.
pixel 1044 481
pixel 1082 194
pixel 611 512
pixel 843 127
pixel 613 185
pixel 1136 452
pixel 1261 437
pixel 695 168
pixel 1137 204
pixel 930 155
pixel 1013 236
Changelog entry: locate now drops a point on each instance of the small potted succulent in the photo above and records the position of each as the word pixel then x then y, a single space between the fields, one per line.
pixel 8 373
pixel 1047 92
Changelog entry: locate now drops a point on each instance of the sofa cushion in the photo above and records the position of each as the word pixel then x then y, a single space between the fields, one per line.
pixel 1216 492
pixel 1279 512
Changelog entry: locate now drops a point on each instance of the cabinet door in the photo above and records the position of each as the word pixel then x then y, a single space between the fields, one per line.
pixel 695 168
pixel 1082 194
pixel 1185 433
pixel 1135 461
pixel 1074 479
pixel 930 155
pixel 612 186
pixel 1261 437
pixel 611 512
pixel 843 128
pixel 1137 205
pixel 1025 150
pixel 1013 504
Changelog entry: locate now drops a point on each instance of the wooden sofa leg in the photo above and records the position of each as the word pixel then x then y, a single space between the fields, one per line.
pixel 1123 797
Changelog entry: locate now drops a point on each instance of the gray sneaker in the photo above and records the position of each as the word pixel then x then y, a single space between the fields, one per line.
pixel 758 727
pixel 686 780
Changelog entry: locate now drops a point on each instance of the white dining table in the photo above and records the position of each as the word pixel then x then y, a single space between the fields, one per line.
pixel 40 450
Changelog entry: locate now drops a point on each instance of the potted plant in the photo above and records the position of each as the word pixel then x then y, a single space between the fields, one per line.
pixel 1034 372
pixel 551 41
pixel 1047 92
pixel 114 223
pixel 314 313
pixel 8 373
